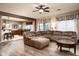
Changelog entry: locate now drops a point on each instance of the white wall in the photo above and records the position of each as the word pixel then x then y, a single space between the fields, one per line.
pixel 53 23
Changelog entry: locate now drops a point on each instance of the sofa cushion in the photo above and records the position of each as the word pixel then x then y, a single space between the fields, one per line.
pixel 38 33
pixel 43 33
pixel 57 33
pixel 54 37
pixel 49 32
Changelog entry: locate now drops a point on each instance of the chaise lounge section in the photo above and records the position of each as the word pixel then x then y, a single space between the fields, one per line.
pixel 37 42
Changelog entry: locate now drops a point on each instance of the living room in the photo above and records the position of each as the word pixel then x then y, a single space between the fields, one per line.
pixel 49 29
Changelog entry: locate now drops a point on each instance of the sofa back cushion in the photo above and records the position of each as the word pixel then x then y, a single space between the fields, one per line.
pixel 69 33
pixel 57 33
pixel 43 32
pixel 32 33
pixel 49 32
pixel 38 33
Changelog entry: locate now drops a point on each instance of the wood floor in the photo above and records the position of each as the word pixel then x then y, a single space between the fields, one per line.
pixel 17 48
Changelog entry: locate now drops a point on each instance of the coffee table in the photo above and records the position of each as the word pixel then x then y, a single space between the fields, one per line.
pixel 67 43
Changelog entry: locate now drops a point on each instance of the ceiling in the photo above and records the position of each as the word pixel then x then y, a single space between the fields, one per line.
pixel 25 9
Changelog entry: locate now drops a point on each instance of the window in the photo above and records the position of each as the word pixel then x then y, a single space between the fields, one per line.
pixel 41 27
pixel 46 26
pixel 67 25
pixel 29 27
pixel 43 24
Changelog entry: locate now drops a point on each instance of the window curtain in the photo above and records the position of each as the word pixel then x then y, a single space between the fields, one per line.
pixel 68 17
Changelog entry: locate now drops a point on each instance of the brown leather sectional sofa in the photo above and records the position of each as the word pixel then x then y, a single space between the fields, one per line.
pixel 51 35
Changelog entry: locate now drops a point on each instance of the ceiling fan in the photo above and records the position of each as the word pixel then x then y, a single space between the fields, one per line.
pixel 41 9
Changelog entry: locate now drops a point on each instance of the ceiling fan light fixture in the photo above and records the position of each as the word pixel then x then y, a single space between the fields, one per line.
pixel 41 11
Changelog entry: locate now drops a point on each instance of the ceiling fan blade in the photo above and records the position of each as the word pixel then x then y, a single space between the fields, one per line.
pixel 37 7
pixel 35 10
pixel 46 8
